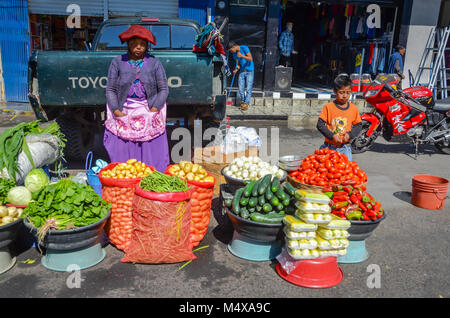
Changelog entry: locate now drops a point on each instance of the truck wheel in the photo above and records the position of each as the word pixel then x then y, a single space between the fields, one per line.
pixel 80 140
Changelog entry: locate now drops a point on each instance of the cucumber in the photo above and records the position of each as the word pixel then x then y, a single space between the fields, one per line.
pixel 288 188
pixel 275 184
pixel 280 207
pixel 251 210
pixel 264 184
pixel 248 188
pixel 267 207
pixel 256 187
pixel 261 200
pixel 286 201
pixel 244 213
pixel 236 199
pixel 252 202
pixel 267 218
pixel 280 194
pixel 275 201
pixel 258 208
pixel 269 194
pixel 228 203
pixel 243 201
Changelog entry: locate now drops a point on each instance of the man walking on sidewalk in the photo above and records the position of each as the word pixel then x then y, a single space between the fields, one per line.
pixel 244 64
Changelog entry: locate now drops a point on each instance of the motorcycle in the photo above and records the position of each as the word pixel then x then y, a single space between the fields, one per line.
pixel 409 115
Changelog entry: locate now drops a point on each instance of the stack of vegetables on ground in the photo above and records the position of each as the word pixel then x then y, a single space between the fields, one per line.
pixel 118 185
pixel 64 205
pixel 190 171
pixel 328 167
pixel 354 203
pixel 313 216
pixel 202 184
pixel 251 168
pixel 264 200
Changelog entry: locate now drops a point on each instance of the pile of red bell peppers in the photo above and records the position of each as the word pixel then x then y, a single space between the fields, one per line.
pixel 353 203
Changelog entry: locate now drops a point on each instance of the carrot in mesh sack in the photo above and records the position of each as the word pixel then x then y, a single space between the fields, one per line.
pixel 119 192
pixel 161 225
pixel 201 201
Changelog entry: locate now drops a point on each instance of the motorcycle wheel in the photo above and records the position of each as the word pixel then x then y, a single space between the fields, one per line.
pixel 443 146
pixel 362 143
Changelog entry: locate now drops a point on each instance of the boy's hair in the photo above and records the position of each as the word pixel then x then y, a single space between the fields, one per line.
pixel 231 44
pixel 342 80
pixel 399 47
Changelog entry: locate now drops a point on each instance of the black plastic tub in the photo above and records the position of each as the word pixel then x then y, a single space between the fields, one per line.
pixel 361 230
pixel 8 232
pixel 68 240
pixel 262 232
pixel 234 184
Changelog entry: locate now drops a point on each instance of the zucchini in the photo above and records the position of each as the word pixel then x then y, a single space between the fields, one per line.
pixel 275 184
pixel 252 202
pixel 236 199
pixel 286 201
pixel 288 188
pixel 269 194
pixel 261 200
pixel 280 194
pixel 256 187
pixel 264 184
pixel 248 188
pixel 244 213
pixel 267 207
pixel 228 203
pixel 243 201
pixel 267 218
pixel 275 201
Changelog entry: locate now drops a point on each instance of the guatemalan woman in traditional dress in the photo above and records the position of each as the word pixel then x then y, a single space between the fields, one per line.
pixel 136 96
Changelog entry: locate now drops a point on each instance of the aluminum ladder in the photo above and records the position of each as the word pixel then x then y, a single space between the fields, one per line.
pixel 436 45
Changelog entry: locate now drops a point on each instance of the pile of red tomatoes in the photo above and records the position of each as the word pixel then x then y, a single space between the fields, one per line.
pixel 328 167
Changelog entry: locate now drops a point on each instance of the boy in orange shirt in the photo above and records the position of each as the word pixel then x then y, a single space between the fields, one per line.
pixel 339 120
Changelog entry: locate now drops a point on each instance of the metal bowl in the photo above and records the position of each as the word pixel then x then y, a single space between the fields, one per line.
pixel 291 160
pixel 234 184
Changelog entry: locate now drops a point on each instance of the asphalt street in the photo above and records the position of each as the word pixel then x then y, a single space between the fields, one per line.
pixel 410 248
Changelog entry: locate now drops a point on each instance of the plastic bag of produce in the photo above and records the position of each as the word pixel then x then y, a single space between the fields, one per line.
pixel 298 235
pixel 161 228
pixel 201 201
pixel 314 218
pixel 296 225
pixel 44 151
pixel 308 244
pixel 287 262
pixel 332 234
pixel 120 193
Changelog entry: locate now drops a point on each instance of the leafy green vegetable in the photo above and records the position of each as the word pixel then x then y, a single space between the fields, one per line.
pixel 64 205
pixel 36 179
pixel 5 186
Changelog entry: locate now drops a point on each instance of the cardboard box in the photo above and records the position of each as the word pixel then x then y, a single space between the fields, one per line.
pixel 214 155
pixel 213 160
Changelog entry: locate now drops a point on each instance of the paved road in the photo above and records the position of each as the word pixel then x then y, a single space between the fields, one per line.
pixel 410 247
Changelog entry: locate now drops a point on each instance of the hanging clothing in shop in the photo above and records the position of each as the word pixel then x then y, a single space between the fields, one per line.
pixel 371 50
pixel 358 61
pixel 360 27
pixel 347 28
pixel 382 60
pixel 374 60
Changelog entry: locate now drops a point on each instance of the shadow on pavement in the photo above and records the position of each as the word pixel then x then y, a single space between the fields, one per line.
pixel 403 195
pixel 407 149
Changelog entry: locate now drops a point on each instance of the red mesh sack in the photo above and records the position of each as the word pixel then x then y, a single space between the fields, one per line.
pixel 161 228
pixel 120 193
pixel 201 201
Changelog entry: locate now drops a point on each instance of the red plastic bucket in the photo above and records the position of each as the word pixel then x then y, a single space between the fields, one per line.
pixel 429 192
pixel 314 273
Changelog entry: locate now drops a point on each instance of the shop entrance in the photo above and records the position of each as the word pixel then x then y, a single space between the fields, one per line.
pixel 332 37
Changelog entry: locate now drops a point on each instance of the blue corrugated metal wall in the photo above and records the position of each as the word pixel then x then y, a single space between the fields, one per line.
pixel 196 10
pixel 14 46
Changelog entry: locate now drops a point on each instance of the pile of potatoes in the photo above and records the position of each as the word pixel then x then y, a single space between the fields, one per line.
pixel 9 214
pixel 190 171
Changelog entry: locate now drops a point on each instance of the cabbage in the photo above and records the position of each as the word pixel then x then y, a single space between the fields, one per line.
pixel 19 196
pixel 36 179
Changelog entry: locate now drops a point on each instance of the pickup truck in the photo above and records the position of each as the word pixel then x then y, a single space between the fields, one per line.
pixel 69 86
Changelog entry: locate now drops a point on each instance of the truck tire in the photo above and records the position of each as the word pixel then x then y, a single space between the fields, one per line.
pixel 80 140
